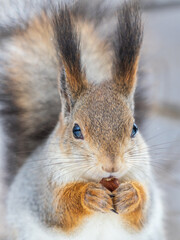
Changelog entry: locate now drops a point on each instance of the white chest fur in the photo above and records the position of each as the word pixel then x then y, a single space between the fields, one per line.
pixel 102 227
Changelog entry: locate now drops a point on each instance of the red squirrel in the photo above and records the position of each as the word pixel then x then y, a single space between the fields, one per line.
pixel 77 91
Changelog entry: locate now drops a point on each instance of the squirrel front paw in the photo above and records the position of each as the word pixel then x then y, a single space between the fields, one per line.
pixel 126 198
pixel 129 200
pixel 97 198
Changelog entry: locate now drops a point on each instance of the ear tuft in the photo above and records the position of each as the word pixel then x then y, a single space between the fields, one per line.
pixel 68 47
pixel 127 45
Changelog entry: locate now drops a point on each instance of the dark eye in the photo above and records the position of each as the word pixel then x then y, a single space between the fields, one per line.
pixel 77 132
pixel 134 130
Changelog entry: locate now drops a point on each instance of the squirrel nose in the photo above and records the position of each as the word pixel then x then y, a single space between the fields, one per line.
pixel 110 169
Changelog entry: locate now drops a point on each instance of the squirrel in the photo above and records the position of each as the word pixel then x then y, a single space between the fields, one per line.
pixel 70 96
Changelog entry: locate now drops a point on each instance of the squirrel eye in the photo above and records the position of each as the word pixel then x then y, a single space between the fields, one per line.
pixel 134 130
pixel 77 132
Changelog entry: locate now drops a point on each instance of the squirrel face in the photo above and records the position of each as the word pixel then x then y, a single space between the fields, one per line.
pixel 105 121
pixel 96 121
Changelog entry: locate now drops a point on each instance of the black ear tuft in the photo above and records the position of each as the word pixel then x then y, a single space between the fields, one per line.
pixel 68 47
pixel 67 38
pixel 127 43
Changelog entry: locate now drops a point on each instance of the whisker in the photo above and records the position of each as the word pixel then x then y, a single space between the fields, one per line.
pixel 155 167
pixel 61 163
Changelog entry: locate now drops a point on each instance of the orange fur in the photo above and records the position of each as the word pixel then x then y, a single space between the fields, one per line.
pixel 136 214
pixel 127 83
pixel 129 202
pixel 76 80
pixel 68 206
pixel 78 200
pixel 33 48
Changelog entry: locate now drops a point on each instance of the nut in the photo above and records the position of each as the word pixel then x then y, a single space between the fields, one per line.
pixel 110 183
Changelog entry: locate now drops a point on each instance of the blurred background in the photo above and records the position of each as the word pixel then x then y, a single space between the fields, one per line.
pixel 161 65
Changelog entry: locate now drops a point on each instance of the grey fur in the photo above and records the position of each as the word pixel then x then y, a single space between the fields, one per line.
pixel 45 106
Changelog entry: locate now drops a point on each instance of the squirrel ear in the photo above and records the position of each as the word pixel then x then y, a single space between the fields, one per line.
pixel 73 80
pixel 127 43
pixel 65 100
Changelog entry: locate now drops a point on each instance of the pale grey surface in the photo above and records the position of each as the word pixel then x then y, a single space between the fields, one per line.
pixel 12 12
pixel 160 2
pixel 162 48
pixel 162 129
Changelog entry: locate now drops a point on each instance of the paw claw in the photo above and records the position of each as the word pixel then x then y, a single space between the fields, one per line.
pixel 113 210
pixel 112 195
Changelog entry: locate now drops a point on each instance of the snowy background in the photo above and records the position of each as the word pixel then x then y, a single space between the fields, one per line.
pixel 162 129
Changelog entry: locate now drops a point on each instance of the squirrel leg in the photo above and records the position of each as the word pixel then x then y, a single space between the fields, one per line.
pixel 129 202
pixel 78 200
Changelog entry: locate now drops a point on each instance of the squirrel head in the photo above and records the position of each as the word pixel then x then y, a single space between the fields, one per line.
pixel 97 122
